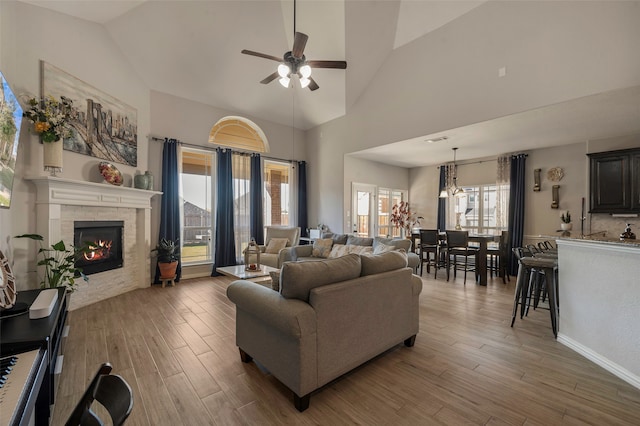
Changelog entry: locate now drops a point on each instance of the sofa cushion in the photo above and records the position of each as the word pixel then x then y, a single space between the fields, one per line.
pixel 275 245
pixel 322 247
pixel 382 248
pixel 297 279
pixel 359 241
pixel 400 243
pixel 337 238
pixel 377 263
pixel 339 250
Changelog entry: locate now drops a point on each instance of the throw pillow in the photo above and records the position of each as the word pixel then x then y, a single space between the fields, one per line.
pixel 382 248
pixel 299 278
pixel 355 249
pixel 275 280
pixel 322 247
pixel 399 243
pixel 377 263
pixel 275 245
pixel 339 250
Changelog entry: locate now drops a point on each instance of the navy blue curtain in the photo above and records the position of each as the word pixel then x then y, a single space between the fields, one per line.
pixel 225 238
pixel 516 207
pixel 170 204
pixel 255 202
pixel 302 196
pixel 442 202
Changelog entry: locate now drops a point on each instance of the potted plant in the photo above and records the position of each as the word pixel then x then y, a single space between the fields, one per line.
pixel 403 218
pixel 565 219
pixel 59 264
pixel 168 257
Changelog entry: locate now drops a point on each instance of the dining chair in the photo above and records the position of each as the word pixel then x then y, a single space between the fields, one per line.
pixel 112 391
pixel 458 246
pixel 429 244
pixel 498 258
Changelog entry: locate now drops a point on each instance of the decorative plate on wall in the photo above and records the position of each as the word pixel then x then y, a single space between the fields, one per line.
pixel 110 173
pixel 555 174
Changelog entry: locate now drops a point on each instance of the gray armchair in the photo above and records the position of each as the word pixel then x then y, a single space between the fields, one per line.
pixel 275 260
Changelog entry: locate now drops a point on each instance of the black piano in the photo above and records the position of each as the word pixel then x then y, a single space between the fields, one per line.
pixel 29 349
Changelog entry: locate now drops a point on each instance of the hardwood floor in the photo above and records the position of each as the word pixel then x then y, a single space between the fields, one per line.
pixel 175 346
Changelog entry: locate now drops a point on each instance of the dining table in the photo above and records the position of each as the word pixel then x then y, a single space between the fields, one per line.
pixel 481 260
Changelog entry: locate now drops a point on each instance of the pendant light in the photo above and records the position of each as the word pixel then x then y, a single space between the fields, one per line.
pixel 454 189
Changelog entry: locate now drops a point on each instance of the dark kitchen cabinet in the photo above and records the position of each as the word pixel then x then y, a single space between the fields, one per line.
pixel 615 181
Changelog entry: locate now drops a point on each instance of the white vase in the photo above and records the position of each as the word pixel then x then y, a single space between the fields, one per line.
pixel 566 226
pixel 52 156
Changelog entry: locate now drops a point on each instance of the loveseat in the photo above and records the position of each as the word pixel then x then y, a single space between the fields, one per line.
pixel 329 317
pixel 336 245
pixel 277 242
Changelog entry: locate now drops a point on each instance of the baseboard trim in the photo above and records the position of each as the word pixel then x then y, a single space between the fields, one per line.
pixel 603 362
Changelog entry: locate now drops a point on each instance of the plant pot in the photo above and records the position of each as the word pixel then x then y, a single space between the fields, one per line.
pixel 168 270
pixel 566 226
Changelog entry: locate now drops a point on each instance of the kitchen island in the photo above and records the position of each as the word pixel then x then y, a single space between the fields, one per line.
pixel 599 299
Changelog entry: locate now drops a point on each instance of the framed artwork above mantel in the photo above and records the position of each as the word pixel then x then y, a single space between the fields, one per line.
pixel 103 126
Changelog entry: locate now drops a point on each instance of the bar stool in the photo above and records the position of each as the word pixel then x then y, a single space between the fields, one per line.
pixel 549 268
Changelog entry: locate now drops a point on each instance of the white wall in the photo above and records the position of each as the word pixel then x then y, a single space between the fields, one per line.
pixel 85 50
pixel 448 79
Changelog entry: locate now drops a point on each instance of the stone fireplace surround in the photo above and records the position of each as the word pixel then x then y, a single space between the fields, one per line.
pixel 60 202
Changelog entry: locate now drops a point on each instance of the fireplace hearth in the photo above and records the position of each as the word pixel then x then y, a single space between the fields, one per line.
pixel 104 245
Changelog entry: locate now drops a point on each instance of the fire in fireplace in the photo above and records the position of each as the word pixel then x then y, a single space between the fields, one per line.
pixel 103 242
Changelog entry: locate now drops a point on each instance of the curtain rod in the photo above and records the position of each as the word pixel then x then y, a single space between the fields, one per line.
pixel 207 148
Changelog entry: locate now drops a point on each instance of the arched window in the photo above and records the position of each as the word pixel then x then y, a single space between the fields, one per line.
pixel 240 133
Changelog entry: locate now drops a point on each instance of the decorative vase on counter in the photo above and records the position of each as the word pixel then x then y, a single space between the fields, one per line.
pixel 566 226
pixel 52 156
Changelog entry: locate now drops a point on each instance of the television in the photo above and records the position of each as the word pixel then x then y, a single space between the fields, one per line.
pixel 10 122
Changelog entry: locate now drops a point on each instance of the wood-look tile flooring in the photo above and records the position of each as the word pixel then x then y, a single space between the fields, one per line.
pixel 176 348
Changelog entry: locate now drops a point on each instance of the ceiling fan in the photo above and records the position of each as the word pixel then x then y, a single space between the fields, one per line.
pixel 294 62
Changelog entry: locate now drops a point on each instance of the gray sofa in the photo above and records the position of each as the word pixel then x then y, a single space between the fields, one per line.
pixel 329 317
pixel 305 253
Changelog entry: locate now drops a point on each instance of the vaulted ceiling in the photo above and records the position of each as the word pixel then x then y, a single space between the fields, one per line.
pixel 191 49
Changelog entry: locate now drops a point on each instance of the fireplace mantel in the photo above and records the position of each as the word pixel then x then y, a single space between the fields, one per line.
pixel 59 202
pixel 55 190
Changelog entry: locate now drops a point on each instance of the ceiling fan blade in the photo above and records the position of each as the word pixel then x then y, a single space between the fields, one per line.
pixel 261 55
pixel 328 64
pixel 299 42
pixel 313 85
pixel 270 78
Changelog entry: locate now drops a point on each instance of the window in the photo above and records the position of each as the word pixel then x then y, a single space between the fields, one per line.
pixel 387 198
pixel 475 211
pixel 277 192
pixel 197 189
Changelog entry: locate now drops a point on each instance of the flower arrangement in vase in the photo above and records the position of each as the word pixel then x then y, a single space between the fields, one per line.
pixel 402 217
pixel 50 117
pixel 51 121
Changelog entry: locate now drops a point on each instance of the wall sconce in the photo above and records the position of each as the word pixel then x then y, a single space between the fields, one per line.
pixel 536 180
pixel 555 198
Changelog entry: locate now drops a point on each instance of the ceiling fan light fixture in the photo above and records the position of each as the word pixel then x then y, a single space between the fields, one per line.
pixel 284 81
pixel 304 82
pixel 305 71
pixel 284 71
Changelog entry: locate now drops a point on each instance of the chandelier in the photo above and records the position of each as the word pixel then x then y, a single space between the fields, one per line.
pixel 454 189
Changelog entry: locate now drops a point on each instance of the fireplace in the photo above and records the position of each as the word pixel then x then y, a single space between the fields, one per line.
pixel 103 243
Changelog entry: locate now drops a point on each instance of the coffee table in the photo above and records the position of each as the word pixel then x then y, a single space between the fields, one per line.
pixel 240 273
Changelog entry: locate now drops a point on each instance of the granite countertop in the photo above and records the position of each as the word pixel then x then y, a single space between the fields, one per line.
pixel 603 240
